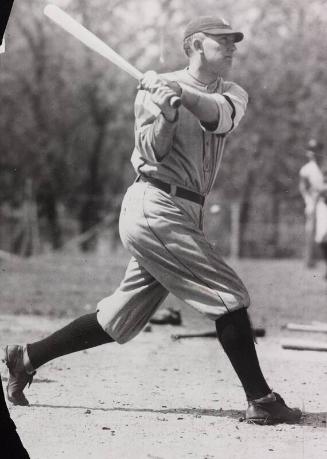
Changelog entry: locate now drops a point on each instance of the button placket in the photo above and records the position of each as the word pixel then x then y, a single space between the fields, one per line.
pixel 207 160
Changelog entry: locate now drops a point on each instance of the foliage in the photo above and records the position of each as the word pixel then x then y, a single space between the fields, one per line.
pixel 68 118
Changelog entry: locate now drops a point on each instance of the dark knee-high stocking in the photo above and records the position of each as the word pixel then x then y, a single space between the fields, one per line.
pixel 235 334
pixel 83 333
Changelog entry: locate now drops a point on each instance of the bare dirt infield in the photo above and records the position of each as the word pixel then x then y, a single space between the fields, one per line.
pixel 156 398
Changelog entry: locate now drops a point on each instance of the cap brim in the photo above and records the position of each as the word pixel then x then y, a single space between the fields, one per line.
pixel 238 36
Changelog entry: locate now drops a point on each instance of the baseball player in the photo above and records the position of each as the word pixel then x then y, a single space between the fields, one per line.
pixel 176 158
pixel 313 188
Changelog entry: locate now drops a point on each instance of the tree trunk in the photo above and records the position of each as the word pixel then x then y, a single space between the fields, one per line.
pixel 245 212
pixel 90 213
pixel 273 244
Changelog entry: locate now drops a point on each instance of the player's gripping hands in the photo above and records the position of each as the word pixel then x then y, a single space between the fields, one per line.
pixel 162 91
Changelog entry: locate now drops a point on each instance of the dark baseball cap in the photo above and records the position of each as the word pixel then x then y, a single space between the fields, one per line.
pixel 211 25
pixel 314 145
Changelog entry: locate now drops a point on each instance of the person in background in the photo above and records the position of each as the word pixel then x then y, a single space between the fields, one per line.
pixel 5 11
pixel 321 217
pixel 313 188
pixel 11 445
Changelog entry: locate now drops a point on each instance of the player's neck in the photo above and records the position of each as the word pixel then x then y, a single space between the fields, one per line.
pixel 201 74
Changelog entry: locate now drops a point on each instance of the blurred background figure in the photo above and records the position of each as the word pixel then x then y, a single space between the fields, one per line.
pixel 11 445
pixel 6 6
pixel 313 188
pixel 321 217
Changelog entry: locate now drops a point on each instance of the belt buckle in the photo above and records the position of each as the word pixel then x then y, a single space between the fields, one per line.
pixel 173 190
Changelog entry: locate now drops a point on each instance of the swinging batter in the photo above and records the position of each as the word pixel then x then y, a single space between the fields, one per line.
pixel 177 155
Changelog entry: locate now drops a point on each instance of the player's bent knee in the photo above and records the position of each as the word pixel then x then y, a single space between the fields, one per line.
pixel 236 299
pixel 246 300
pixel 116 323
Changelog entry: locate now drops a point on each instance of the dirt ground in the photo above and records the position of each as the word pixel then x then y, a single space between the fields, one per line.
pixel 158 398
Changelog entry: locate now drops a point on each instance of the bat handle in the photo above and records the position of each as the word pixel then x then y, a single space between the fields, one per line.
pixel 175 101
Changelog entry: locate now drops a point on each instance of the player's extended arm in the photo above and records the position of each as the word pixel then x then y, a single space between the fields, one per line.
pixel 203 106
pixel 153 134
pixel 218 113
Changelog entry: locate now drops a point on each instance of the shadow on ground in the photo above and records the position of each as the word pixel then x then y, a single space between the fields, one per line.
pixel 35 380
pixel 308 419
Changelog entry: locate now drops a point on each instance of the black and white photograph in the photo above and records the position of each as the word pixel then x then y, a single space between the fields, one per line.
pixel 163 229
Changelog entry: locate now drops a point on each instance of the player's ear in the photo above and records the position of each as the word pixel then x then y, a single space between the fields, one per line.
pixel 197 45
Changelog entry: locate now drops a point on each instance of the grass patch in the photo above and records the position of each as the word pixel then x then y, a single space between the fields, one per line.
pixel 70 284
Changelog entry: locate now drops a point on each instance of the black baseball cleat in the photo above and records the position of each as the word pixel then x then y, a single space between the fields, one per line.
pixel 271 409
pixel 18 376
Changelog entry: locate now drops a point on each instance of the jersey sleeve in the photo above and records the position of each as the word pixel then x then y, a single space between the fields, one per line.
pixel 153 133
pixel 232 105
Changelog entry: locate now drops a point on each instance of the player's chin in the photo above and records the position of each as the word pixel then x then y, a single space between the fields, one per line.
pixel 228 62
pixel 224 66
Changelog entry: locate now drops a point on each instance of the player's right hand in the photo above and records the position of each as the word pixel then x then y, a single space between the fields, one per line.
pixel 161 96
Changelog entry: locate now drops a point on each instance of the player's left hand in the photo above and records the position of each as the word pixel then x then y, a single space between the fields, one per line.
pixel 150 81
pixel 161 93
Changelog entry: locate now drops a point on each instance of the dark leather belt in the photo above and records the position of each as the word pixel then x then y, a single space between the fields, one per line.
pixel 173 189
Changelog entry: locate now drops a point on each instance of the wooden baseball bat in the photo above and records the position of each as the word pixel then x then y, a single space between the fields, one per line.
pixel 257 332
pixel 315 328
pixel 303 345
pixel 90 40
pixel 209 334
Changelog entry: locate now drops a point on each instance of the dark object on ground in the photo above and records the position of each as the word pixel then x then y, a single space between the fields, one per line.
pixel 257 332
pixel 168 316
pixel 271 409
pixel 209 334
pixel 301 345
pixel 11 445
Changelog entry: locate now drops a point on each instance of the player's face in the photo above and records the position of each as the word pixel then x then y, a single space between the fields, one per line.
pixel 218 52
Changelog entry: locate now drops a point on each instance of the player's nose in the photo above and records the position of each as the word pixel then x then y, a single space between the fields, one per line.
pixel 232 48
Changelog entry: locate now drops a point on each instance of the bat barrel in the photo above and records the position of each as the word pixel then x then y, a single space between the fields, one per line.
pixel 90 40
